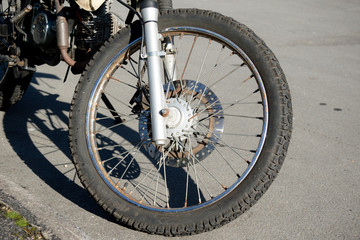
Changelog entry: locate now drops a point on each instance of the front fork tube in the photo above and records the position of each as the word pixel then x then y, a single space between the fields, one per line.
pixel 150 12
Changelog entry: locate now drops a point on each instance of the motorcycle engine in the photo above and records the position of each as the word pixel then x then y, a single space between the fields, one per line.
pixel 43 31
pixel 94 30
pixel 88 31
pixel 44 28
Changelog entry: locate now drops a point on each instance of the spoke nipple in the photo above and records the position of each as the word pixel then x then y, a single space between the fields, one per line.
pixel 124 187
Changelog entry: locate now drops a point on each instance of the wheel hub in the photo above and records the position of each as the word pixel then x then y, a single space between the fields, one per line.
pixel 182 123
pixel 179 121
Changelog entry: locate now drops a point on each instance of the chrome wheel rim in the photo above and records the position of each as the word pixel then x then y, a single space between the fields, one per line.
pixel 124 175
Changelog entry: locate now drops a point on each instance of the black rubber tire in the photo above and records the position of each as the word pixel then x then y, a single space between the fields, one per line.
pixel 13 85
pixel 256 182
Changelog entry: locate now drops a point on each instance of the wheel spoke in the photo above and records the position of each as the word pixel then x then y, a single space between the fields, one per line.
pixel 160 164
pixel 129 85
pixel 131 60
pixel 165 178
pixel 229 115
pixel 126 70
pixel 208 87
pixel 225 76
pixel 120 101
pixel 227 162
pixel 244 103
pixel 137 147
pixel 195 172
pixel 243 116
pixel 223 133
pixel 202 182
pixel 188 58
pixel 116 125
pixel 156 188
pixel 199 162
pixel 187 186
pixel 132 160
pixel 218 81
pixel 199 74
pixel 218 102
pixel 200 124
pixel 208 76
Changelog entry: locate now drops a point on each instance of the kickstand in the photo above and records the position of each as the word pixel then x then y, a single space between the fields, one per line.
pixel 67 73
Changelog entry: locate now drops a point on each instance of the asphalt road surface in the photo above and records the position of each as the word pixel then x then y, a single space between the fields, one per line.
pixel 315 196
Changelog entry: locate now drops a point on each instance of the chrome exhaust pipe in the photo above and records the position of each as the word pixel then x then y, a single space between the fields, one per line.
pixel 62 34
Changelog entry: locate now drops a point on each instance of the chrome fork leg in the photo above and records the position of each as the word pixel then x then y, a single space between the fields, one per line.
pixel 150 12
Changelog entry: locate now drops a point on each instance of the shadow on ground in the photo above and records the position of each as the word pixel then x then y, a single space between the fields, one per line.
pixel 36 128
pixel 49 116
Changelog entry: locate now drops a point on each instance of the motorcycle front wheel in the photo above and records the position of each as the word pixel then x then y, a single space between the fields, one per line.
pixel 228 131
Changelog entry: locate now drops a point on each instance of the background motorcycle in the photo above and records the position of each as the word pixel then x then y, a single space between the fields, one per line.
pixel 228 110
pixel 29 38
